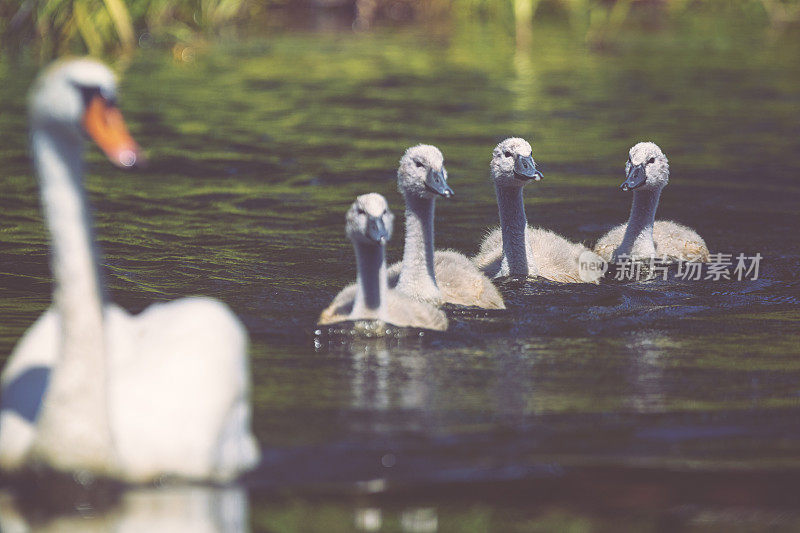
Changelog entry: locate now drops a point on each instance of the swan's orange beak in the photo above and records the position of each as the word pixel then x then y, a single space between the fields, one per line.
pixel 105 125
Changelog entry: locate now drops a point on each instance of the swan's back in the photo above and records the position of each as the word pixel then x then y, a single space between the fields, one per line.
pixel 550 255
pixel 672 240
pixel 179 401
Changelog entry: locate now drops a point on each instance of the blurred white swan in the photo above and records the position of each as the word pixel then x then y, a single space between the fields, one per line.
pixel 90 387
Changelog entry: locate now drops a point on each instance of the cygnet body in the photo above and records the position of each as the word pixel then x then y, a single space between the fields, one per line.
pixel 515 249
pixel 441 276
pixel 643 237
pixel 369 226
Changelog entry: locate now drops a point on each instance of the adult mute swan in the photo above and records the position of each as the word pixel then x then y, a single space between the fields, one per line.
pixel 90 388
pixel 369 225
pixel 643 237
pixel 516 249
pixel 443 276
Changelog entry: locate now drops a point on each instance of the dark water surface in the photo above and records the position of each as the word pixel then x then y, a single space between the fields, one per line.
pixel 623 406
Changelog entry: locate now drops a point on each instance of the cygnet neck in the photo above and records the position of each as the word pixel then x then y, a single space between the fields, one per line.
pixel 370 300
pixel 638 240
pixel 513 224
pixel 417 276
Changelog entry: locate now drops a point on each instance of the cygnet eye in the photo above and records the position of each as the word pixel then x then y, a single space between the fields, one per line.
pixel 360 211
pixel 419 163
pixel 651 160
pixel 507 153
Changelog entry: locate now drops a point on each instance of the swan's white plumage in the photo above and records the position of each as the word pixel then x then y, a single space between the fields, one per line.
pixel 192 416
pixel 163 393
pixel 178 389
pixel 37 349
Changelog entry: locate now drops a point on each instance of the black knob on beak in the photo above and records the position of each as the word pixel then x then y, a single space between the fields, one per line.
pixel 525 169
pixel 437 184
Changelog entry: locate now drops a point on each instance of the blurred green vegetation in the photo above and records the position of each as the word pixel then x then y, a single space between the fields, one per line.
pixel 116 27
pixel 102 27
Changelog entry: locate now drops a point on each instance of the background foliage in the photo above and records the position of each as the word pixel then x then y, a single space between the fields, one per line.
pixel 115 27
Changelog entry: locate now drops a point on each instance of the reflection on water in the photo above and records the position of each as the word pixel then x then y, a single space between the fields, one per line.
pixel 370 377
pixel 257 148
pixel 192 509
pixel 582 501
pixel 382 381
pixel 412 520
pixel 646 370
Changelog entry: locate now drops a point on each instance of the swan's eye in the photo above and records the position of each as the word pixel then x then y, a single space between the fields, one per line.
pixel 507 153
pixel 89 92
pixel 419 164
pixel 651 160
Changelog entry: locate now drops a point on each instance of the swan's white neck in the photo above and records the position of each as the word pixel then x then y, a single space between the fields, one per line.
pixel 638 240
pixel 370 300
pixel 73 427
pixel 513 224
pixel 417 276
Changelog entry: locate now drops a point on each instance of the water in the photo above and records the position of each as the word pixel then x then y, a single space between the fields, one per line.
pixel 667 404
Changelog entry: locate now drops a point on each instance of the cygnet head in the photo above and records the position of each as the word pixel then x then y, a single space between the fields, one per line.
pixel 647 168
pixel 512 163
pixel 421 173
pixel 77 97
pixel 369 220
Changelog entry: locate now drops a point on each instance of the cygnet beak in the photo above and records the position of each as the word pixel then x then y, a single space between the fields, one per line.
pixel 525 169
pixel 436 183
pixel 376 230
pixel 635 177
